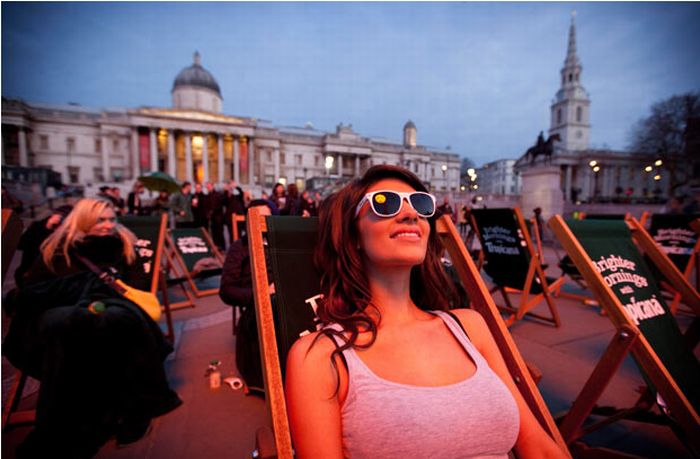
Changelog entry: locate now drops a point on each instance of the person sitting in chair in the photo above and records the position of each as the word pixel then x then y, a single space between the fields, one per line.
pixel 392 373
pixel 99 357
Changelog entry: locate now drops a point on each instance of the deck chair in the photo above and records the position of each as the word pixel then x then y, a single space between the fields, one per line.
pixel 513 263
pixel 193 256
pixel 290 313
pixel 150 232
pixel 675 237
pixel 11 233
pixel 607 253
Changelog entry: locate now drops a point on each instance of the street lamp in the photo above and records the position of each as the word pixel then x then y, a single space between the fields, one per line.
pixel 648 169
pixel 329 164
pixel 658 163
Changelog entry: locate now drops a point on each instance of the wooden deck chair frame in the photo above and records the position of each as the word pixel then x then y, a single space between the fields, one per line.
pixel 692 265
pixel 528 300
pixel 628 339
pixel 158 282
pixel 235 220
pixel 11 233
pixel 278 443
pixel 177 263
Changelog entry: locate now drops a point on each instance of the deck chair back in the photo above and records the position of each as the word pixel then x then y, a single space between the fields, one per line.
pixel 290 312
pixel 150 234
pixel 672 232
pixel 605 253
pixel 195 255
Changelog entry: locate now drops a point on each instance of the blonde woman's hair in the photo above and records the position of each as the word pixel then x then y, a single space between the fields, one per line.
pixel 75 227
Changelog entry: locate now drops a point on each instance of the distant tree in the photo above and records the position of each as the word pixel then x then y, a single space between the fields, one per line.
pixel 672 133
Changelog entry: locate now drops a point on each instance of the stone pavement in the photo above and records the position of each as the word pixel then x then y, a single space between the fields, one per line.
pixel 221 423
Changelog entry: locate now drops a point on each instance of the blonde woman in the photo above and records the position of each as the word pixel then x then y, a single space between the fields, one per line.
pixel 98 356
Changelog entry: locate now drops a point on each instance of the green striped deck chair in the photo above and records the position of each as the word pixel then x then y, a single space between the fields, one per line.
pixel 608 253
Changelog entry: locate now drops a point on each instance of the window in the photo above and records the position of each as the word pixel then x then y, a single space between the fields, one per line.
pixel 579 114
pixel 115 145
pixel 70 144
pixel 571 77
pixel 283 158
pixel 317 160
pixel 44 142
pixel 98 145
pixel 559 116
pixel 98 175
pixel 73 174
pixel 268 156
pixel 298 159
pixel 117 174
pixel 269 180
pixel 300 183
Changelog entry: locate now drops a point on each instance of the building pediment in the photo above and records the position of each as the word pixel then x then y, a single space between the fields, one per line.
pixel 193 115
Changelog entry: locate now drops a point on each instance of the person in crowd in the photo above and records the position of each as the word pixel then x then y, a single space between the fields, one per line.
pixel 446 209
pixel 237 289
pixel 99 356
pixel 214 206
pixel 308 205
pixel 462 221
pixel 181 206
pixel 199 211
pixel 673 205
pixel 134 205
pixel 391 373
pixel 292 204
pixel 233 204
pixel 161 204
pixel 34 236
pixel 540 222
pixel 117 200
pixel 279 196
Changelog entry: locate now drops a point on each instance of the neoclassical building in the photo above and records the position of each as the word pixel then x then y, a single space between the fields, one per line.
pixel 193 140
pixel 590 173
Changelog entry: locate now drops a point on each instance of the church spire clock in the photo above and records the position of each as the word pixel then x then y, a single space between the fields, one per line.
pixel 570 108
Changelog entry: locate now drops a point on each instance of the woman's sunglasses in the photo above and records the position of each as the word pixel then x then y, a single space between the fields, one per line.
pixel 386 203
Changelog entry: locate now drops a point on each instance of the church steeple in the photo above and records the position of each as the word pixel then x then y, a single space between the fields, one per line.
pixel 571 105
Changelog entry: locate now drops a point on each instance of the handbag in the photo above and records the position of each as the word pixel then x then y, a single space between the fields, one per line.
pixel 145 300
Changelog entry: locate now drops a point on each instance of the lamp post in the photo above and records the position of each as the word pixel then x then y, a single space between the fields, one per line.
pixel 444 180
pixel 595 167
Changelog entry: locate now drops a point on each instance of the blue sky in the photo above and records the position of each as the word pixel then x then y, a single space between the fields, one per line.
pixel 478 77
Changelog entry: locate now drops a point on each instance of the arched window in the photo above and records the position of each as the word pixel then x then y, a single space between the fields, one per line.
pixel 559 116
pixel 571 77
pixel 579 114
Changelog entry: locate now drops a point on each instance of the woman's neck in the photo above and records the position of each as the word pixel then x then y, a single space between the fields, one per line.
pixel 390 290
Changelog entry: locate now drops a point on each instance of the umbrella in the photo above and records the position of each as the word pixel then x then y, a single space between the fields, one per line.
pixel 159 181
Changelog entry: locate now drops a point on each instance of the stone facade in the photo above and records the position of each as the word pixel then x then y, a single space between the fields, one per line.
pixel 194 141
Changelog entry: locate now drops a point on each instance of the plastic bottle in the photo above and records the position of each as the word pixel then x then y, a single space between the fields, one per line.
pixel 214 374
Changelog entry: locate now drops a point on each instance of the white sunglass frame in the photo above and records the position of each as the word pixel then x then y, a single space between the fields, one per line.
pixel 403 195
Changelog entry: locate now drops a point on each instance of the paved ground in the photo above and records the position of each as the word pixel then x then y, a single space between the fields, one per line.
pixel 221 423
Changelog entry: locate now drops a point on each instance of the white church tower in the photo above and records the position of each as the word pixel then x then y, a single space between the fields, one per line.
pixel 571 106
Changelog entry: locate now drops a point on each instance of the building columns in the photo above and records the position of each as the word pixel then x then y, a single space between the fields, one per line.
pixel 220 150
pixel 105 158
pixel 567 183
pixel 135 156
pixel 236 168
pixel 251 162
pixel 154 150
pixel 189 173
pixel 357 166
pixel 277 165
pixel 23 156
pixel 339 158
pixel 205 157
pixel 171 153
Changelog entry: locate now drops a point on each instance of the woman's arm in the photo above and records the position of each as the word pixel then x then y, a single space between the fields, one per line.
pixel 312 401
pixel 533 441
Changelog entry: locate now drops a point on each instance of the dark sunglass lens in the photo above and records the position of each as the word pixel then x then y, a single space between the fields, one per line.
pixel 423 204
pixel 386 203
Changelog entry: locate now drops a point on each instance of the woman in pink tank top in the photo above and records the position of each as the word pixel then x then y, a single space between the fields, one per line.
pixel 391 374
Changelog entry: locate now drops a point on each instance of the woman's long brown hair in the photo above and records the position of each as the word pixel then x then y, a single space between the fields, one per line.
pixel 344 283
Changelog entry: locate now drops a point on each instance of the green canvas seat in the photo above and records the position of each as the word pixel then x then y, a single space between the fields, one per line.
pixel 607 253
pixel 513 263
pixel 287 245
pixel 194 257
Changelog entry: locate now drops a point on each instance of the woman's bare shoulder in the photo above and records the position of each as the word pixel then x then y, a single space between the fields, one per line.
pixel 473 323
pixel 311 349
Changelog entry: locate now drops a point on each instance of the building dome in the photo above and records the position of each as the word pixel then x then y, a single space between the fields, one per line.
pixel 409 134
pixel 409 125
pixel 196 75
pixel 195 88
